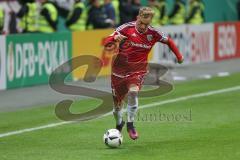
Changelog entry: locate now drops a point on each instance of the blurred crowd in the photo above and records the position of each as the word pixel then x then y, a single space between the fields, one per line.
pixel 42 15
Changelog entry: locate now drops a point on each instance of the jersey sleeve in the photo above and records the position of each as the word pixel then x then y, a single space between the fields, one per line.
pixel 122 29
pixel 161 37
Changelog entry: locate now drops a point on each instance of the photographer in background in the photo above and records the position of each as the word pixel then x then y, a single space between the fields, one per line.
pixel 196 12
pixel 110 10
pixel 177 16
pixel 97 16
pixel 28 15
pixel 48 17
pixel 160 10
pixel 76 20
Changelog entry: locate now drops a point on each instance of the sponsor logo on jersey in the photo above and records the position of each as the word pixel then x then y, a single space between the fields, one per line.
pixel 140 45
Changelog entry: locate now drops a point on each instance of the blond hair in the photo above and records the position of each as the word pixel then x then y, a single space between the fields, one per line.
pixel 145 12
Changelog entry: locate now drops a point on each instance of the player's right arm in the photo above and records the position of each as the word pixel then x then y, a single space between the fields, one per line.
pixel 113 38
pixel 117 36
pixel 171 44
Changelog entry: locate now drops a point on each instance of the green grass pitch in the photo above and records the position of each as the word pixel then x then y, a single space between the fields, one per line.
pixel 208 129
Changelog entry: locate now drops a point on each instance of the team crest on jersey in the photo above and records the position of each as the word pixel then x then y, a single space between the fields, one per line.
pixel 149 37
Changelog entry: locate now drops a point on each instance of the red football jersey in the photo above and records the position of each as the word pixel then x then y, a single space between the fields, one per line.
pixel 134 50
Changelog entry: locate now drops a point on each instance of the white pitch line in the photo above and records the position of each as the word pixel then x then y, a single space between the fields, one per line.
pixel 32 129
pixel 204 94
pixel 206 76
pixel 223 74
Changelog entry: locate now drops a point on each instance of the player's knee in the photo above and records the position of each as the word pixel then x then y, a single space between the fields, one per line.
pixel 117 107
pixel 132 94
pixel 133 88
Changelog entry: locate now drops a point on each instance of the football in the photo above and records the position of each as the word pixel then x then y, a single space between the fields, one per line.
pixel 113 138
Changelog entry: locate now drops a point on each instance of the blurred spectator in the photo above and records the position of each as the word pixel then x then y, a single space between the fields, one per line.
pixel 128 10
pixel 125 11
pixel 196 12
pixel 177 16
pixel 12 22
pixel 110 11
pixel 238 9
pixel 76 20
pixel 2 18
pixel 136 5
pixel 28 15
pixel 48 17
pixel 97 17
pixel 160 10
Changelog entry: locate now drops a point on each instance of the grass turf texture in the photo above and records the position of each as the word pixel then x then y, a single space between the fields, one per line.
pixel 212 134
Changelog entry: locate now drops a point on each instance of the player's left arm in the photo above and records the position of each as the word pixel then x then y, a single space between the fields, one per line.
pixel 171 44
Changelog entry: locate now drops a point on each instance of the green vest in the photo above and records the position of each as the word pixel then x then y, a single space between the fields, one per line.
pixel 156 17
pixel 115 4
pixel 88 26
pixel 1 19
pixel 80 24
pixel 197 18
pixel 29 21
pixel 164 19
pixel 179 17
pixel 157 20
pixel 43 23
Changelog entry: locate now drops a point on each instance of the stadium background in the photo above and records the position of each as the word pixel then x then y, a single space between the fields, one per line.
pixel 212 63
pixel 215 10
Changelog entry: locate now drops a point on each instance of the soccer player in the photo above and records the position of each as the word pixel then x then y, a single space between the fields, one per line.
pixel 130 64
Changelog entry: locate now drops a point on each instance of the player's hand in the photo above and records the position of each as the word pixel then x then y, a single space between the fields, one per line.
pixel 119 37
pixel 180 61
